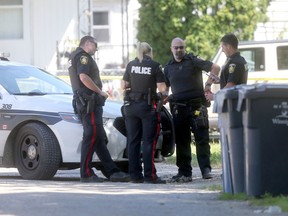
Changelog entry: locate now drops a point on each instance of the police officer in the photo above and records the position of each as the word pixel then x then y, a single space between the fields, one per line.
pixel 234 71
pixel 88 101
pixel 140 81
pixel 188 106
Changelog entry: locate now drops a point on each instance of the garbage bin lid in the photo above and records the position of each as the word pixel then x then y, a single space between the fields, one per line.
pixel 261 90
pixel 221 97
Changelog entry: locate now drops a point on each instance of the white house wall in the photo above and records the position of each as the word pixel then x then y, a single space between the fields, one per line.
pixel 45 22
pixel 48 22
pixel 277 25
pixel 118 50
pixel 53 21
pixel 110 52
pixel 19 49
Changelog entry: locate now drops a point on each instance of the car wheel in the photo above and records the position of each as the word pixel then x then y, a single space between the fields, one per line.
pixel 37 152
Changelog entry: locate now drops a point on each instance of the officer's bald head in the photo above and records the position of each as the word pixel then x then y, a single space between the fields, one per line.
pixel 178 48
pixel 176 41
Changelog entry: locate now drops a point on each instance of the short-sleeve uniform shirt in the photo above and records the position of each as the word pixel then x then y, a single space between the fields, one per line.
pixel 185 77
pixel 84 63
pixel 234 70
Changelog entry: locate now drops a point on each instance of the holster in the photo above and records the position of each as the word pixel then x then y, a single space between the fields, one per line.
pixel 201 118
pixel 94 100
pixel 159 102
pixel 90 106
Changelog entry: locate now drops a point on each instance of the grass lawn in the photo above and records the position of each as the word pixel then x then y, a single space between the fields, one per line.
pixel 215 155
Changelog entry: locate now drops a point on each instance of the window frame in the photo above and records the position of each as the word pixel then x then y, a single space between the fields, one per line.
pixel 281 57
pixel 257 57
pixel 20 33
pixel 101 27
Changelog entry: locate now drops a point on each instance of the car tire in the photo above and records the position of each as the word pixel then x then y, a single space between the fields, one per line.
pixel 37 152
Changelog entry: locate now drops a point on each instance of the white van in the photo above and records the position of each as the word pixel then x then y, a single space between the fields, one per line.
pixel 267 62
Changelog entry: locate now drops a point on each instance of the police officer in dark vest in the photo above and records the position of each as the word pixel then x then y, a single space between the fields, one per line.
pixel 188 106
pixel 88 103
pixel 142 78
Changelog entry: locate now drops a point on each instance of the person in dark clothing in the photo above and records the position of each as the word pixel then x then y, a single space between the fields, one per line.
pixel 88 101
pixel 188 106
pixel 234 71
pixel 141 79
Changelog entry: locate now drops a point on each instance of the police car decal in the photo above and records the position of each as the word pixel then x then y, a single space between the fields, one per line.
pixel 6 106
pixel 12 118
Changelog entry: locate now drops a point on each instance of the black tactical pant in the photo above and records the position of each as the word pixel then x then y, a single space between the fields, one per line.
pixel 185 120
pixel 143 126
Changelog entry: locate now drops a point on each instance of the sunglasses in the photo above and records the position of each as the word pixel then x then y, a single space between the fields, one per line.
pixel 178 47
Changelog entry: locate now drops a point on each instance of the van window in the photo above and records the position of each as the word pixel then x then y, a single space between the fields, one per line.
pixel 282 57
pixel 255 58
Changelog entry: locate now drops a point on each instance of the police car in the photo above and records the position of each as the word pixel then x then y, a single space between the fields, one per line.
pixel 39 132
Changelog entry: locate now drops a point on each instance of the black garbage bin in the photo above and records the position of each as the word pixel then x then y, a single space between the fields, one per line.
pixel 264 110
pixel 231 137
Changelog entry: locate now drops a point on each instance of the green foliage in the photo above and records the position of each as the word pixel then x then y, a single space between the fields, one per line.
pixel 200 22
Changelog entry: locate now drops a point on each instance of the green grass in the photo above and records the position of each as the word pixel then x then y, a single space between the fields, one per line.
pixel 215 156
pixel 266 200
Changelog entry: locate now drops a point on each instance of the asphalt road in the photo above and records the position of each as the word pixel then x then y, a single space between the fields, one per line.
pixel 65 195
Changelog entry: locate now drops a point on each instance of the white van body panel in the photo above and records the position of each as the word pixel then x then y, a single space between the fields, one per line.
pixel 267 62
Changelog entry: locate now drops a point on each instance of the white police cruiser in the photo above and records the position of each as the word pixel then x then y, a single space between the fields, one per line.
pixel 39 132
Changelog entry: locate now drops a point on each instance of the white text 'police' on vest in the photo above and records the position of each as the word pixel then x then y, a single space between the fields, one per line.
pixel 141 70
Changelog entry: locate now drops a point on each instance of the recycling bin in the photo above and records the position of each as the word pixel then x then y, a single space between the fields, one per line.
pixel 264 109
pixel 231 137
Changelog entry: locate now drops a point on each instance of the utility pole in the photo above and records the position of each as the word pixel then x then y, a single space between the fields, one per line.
pixel 84 18
pixel 122 31
pixel 127 30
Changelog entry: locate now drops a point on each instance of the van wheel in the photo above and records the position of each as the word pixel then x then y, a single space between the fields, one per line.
pixel 37 152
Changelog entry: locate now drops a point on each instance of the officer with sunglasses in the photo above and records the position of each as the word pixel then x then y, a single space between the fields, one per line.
pixel 188 106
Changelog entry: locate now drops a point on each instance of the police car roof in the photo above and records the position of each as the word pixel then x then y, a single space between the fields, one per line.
pixel 12 63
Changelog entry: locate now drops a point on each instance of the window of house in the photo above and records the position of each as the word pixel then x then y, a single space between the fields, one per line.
pixel 255 58
pixel 282 56
pixel 11 19
pixel 101 26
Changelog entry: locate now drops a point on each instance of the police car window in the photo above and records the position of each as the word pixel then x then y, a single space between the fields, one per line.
pixel 282 57
pixel 255 58
pixel 27 80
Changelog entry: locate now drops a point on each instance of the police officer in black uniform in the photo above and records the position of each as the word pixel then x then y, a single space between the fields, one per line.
pixel 140 81
pixel 88 101
pixel 235 70
pixel 189 109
